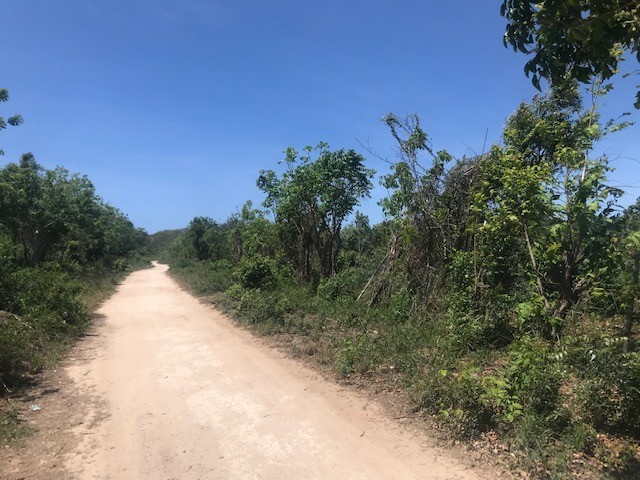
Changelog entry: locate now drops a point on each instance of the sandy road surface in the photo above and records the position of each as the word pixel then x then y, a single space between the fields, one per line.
pixel 183 394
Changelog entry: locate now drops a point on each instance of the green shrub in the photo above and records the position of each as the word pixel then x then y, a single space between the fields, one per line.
pixel 21 345
pixel 454 395
pixel 205 278
pixel 121 265
pixel 257 272
pixel 49 297
pixel 44 310
pixel 479 332
pixel 217 276
pixel 330 288
pixel 609 392
pixel 12 427
pixel 527 385
pixel 358 355
pixel 347 283
pixel 235 292
pixel 536 376
pixel 258 307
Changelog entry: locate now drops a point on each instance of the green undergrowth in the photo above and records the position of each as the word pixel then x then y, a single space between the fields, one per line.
pixel 13 428
pixel 561 408
pixel 48 309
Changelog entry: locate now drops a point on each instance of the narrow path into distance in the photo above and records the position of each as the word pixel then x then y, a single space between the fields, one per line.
pixel 179 392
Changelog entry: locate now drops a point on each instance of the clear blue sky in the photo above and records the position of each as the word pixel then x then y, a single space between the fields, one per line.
pixel 172 107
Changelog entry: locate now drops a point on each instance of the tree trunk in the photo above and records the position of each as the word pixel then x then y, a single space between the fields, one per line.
pixel 630 314
pixel 534 264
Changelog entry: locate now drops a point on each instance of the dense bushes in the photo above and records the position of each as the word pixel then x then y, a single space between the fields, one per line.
pixel 20 345
pixel 256 272
pixel 59 242
pixel 47 293
pixel 501 290
pixel 474 371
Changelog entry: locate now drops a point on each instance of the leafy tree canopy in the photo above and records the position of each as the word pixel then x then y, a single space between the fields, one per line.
pixel 52 214
pixel 581 38
pixel 13 120
pixel 315 196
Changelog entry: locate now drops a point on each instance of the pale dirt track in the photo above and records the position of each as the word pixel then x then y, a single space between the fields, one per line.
pixel 179 392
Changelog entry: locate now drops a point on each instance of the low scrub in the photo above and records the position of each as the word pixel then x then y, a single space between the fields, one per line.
pixel 12 427
pixel 45 307
pixel 550 402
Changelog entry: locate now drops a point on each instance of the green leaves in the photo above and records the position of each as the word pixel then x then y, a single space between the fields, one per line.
pixel 52 213
pixel 544 199
pixel 312 199
pixel 14 120
pixel 579 39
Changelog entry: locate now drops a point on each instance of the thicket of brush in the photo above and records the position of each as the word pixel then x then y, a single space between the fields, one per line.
pixel 501 291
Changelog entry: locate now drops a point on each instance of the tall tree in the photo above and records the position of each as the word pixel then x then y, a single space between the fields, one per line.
pixel 197 233
pixel 548 201
pixel 313 198
pixel 631 263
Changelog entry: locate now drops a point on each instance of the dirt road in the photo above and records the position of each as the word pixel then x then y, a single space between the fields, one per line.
pixel 179 392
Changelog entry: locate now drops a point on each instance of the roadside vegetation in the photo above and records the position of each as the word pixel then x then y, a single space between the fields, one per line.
pixel 62 250
pixel 500 292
